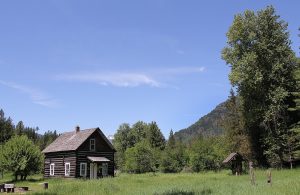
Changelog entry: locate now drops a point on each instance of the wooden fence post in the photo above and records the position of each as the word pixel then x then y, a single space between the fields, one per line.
pixel 251 171
pixel 269 177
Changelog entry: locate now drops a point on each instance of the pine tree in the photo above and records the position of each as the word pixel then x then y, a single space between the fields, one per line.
pixel 171 140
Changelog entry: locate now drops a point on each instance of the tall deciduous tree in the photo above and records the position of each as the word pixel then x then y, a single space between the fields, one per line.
pixel 122 141
pixel 262 62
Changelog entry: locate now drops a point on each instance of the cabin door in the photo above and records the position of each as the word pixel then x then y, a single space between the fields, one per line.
pixel 93 171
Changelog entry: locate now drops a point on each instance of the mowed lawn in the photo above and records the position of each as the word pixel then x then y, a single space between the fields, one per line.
pixel 284 182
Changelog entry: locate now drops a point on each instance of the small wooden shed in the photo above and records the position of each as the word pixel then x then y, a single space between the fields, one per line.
pixel 235 160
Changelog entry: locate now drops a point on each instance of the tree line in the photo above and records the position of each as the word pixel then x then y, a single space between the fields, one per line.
pixel 8 129
pixel 142 148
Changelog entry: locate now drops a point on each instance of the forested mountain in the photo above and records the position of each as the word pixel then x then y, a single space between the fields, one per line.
pixel 207 125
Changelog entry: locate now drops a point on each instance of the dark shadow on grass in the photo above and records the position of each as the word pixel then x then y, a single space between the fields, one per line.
pixel 176 192
pixel 44 193
pixel 183 192
pixel 206 192
pixel 35 180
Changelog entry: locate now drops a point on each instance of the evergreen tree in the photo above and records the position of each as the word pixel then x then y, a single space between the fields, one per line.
pixel 293 143
pixel 171 140
pixel 155 137
pixel 19 130
pixel 6 127
pixel 234 127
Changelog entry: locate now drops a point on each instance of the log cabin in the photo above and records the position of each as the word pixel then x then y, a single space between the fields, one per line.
pixel 80 154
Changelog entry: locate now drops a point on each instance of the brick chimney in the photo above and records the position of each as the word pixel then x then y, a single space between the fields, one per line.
pixel 77 129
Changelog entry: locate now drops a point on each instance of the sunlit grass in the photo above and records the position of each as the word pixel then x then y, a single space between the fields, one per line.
pixel 284 182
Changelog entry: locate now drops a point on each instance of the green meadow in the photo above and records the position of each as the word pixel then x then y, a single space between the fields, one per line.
pixel 284 182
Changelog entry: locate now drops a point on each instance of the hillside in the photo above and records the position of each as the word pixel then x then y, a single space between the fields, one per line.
pixel 207 125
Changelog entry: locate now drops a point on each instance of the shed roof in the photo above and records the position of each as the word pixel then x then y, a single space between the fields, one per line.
pixel 231 156
pixel 98 159
pixel 70 141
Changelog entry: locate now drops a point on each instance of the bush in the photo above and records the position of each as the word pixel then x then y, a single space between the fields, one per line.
pixel 140 158
pixel 21 156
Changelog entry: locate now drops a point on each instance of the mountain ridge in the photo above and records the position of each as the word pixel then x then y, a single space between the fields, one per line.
pixel 207 125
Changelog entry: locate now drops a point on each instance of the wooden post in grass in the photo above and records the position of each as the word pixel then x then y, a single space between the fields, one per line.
pixel 269 177
pixel 251 171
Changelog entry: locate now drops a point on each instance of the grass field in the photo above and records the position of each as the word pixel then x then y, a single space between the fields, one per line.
pixel 284 182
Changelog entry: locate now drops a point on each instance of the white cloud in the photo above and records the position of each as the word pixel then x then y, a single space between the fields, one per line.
pixel 115 79
pixel 182 70
pixel 35 95
pixel 129 79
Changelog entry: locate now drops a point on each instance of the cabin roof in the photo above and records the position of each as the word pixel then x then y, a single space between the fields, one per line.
pixel 231 156
pixel 70 141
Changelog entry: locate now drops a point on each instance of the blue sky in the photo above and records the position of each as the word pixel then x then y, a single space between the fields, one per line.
pixel 103 63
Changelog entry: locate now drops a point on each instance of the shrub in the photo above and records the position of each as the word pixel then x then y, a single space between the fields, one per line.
pixel 140 158
pixel 21 156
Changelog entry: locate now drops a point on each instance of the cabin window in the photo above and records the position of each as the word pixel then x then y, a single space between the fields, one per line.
pixel 92 144
pixel 83 169
pixel 52 165
pixel 67 169
pixel 104 169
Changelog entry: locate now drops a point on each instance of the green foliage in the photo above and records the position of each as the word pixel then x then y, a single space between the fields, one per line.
pixel 171 141
pixel 234 127
pixel 155 137
pixel 122 141
pixel 174 157
pixel 21 156
pixel 207 153
pixel 262 63
pixel 140 158
pixel 6 127
pixel 128 137
pixel 293 144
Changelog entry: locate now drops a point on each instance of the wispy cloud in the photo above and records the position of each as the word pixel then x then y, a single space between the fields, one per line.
pixel 115 79
pixel 181 70
pixel 129 79
pixel 35 95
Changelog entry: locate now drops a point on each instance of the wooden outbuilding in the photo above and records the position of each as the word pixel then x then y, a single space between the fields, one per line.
pixel 80 154
pixel 235 160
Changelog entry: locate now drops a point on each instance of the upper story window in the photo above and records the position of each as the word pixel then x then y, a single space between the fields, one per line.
pixel 67 169
pixel 52 165
pixel 92 144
